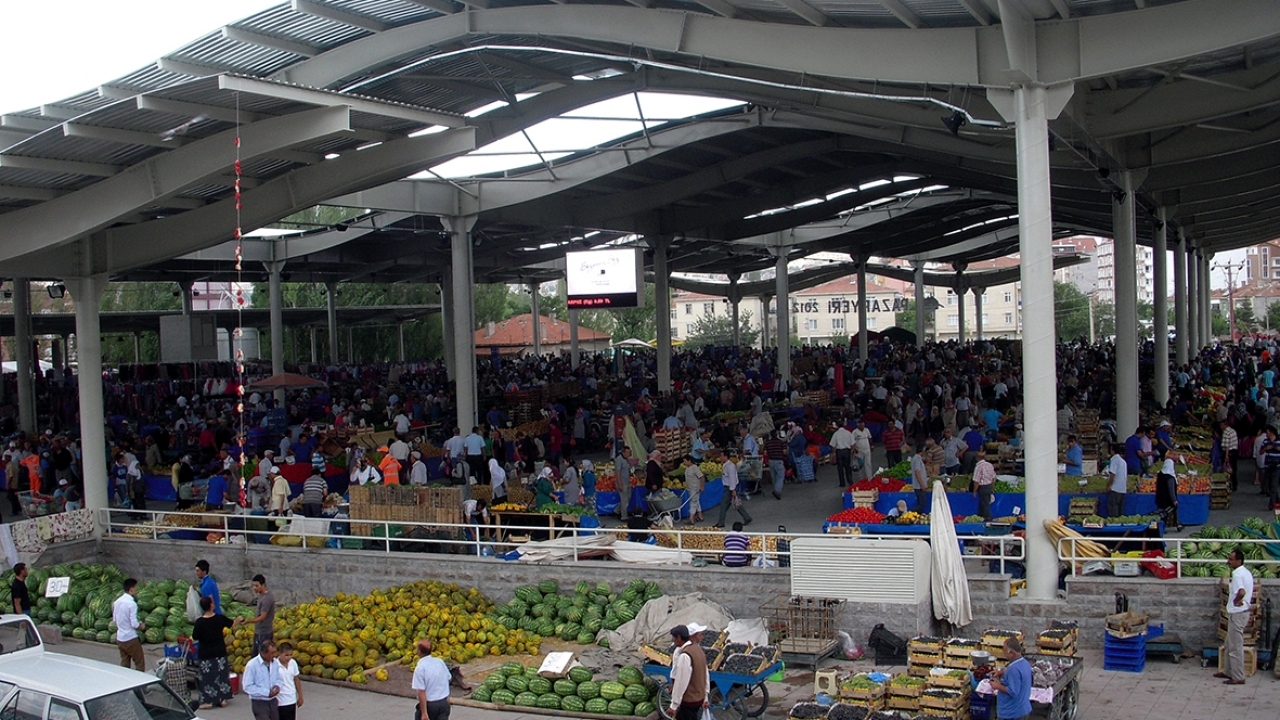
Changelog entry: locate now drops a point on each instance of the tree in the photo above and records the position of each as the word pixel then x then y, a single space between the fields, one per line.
pixel 369 342
pixel 1218 324
pixel 491 303
pixel 717 331
pixel 1104 319
pixel 906 319
pixel 1071 311
pixel 640 322
pixel 1245 319
pixel 1273 315
pixel 136 296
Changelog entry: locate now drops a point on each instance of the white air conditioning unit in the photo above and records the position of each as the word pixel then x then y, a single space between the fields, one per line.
pixel 861 570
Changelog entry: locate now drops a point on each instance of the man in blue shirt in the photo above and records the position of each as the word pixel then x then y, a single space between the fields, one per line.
pixel 207 586
pixel 701 444
pixel 1075 457
pixel 1133 454
pixel 992 419
pixel 1013 684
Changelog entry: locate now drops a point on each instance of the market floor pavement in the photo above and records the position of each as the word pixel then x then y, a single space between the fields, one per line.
pixel 1164 691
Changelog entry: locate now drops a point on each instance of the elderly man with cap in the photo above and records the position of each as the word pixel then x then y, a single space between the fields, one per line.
pixel 842 442
pixel 279 492
pixel 418 470
pixel 689 677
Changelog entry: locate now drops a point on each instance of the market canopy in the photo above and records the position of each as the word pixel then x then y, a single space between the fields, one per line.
pixel 285 381
pixel 882 114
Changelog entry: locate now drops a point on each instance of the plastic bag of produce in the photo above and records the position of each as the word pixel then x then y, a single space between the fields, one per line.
pixel 850 649
pixel 194 611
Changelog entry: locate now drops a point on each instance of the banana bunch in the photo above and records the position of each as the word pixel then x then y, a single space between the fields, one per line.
pixel 1083 547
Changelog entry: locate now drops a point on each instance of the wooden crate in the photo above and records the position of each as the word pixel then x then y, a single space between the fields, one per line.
pixel 946 681
pixel 1250 659
pixel 1066 651
pixel 957 663
pixel 919 670
pixel 961 713
pixel 928 659
pixel 961 649
pixel 903 702
pixel 865 498
pixel 904 690
pixel 943 699
pixel 925 644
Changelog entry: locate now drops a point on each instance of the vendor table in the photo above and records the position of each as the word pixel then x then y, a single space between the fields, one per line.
pixel 892 529
pixel 1193 509
pixel 556 524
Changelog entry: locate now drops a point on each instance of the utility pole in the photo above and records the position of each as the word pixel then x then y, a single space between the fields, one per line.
pixel 1231 269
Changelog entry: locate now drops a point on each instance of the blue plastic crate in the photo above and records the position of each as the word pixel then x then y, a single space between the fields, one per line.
pixel 1124 666
pixel 981 706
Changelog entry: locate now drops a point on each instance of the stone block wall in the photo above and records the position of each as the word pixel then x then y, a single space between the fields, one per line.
pixel 1187 606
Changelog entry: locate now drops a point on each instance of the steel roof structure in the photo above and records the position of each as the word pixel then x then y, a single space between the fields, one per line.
pixel 840 96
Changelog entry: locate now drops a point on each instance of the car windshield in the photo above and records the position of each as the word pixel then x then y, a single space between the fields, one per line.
pixel 153 701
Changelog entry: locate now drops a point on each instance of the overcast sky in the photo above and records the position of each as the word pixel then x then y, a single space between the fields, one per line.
pixel 56 48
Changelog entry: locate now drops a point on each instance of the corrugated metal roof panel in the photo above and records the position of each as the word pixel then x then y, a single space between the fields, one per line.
pixel 281 20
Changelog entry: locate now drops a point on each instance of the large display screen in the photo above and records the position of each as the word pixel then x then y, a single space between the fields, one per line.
pixel 604 278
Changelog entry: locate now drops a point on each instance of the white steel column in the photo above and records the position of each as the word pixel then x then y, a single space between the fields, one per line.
pixel 446 325
pixel 22 354
pixel 1180 298
pixel 862 308
pixel 1126 275
pixel 1206 292
pixel 1039 384
pixel 734 299
pixel 464 338
pixel 1160 303
pixel 1030 106
pixel 535 309
pixel 331 311
pixel 87 293
pixel 315 356
pixel 1193 302
pixel 662 298
pixel 978 292
pixel 184 289
pixel 765 339
pixel 573 339
pixel 400 339
pixel 782 283
pixel 351 345
pixel 919 303
pixel 276 295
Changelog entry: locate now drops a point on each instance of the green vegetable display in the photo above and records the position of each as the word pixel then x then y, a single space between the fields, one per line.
pixel 84 611
pixel 578 617
pixel 513 684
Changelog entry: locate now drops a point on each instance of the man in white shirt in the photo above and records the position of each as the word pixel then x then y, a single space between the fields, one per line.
pixel 919 478
pixel 401 423
pixel 862 447
pixel 842 442
pixel 430 685
pixel 453 447
pixel 124 611
pixel 730 498
pixel 984 480
pixel 418 472
pixel 1239 603
pixel 262 682
pixel 1118 471
pixel 399 450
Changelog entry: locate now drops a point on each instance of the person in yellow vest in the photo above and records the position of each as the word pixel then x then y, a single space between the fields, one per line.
pixel 389 467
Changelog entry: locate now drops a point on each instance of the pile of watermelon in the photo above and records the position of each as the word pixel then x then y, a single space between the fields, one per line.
pixel 84 612
pixel 576 617
pixel 632 694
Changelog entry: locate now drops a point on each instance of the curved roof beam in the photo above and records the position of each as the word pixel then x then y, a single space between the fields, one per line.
pixel 122 248
pixel 161 176
pixel 288 247
pixel 1085 47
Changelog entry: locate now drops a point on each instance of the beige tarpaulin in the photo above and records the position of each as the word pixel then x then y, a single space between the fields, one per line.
pixel 654 621
pixel 950 584
pixel 602 545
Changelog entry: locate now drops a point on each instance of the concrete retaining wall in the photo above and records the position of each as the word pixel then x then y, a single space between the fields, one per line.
pixel 1187 606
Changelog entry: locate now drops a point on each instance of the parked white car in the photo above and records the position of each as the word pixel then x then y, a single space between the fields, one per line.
pixel 40 685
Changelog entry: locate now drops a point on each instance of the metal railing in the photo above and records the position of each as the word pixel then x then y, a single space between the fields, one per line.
pixel 388 536
pixel 1069 552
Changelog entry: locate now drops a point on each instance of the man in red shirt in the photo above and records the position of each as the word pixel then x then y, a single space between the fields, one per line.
pixel 892 439
pixel 556 443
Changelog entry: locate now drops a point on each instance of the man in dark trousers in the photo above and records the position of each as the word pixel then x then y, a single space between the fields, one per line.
pixel 689 677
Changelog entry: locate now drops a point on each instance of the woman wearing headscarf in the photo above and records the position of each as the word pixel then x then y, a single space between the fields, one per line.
pixel 654 474
pixel 589 486
pixel 497 481
pixel 544 490
pixel 1167 495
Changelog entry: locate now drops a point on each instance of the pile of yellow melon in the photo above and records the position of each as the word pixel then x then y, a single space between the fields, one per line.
pixel 343 636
